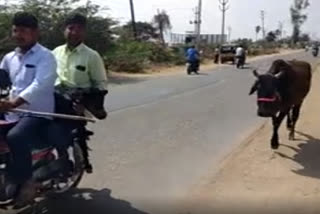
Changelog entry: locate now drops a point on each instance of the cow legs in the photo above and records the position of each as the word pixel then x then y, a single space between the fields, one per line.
pixel 295 117
pixel 289 120
pixel 277 120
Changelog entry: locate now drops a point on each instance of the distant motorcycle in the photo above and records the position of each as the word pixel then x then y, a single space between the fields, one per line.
pixel 315 52
pixel 192 67
pixel 240 61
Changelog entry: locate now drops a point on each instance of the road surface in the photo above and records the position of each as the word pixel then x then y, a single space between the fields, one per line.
pixel 161 137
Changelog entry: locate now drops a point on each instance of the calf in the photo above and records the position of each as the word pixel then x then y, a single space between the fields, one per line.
pixel 281 92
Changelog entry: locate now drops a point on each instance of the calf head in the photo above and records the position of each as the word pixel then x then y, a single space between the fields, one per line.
pixel 94 102
pixel 268 96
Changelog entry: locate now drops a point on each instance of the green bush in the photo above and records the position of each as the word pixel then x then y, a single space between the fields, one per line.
pixel 134 56
pixel 262 51
pixel 127 56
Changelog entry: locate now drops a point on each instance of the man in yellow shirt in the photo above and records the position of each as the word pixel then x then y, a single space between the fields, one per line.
pixel 78 66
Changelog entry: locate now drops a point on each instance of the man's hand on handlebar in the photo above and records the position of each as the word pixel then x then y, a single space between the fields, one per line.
pixel 6 105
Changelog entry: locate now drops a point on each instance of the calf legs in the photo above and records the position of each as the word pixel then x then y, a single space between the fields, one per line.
pixel 295 117
pixel 292 118
pixel 289 120
pixel 276 121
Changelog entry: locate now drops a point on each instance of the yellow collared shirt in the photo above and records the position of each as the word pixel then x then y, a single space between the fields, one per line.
pixel 81 67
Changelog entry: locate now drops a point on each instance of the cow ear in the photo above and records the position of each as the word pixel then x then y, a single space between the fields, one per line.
pixel 255 73
pixel 254 88
pixel 105 92
pixel 279 75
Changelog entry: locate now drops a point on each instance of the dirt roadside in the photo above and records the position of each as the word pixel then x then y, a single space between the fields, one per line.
pixel 174 70
pixel 255 179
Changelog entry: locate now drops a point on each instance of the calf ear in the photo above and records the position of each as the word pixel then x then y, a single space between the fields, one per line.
pixel 280 74
pixel 105 92
pixel 254 88
pixel 255 73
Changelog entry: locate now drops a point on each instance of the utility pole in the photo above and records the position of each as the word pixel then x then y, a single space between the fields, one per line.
pixel 134 29
pixel 224 6
pixel 229 34
pixel 281 29
pixel 262 24
pixel 199 13
pixel 197 24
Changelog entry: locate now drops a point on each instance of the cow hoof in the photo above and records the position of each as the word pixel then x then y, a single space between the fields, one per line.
pixel 275 146
pixel 291 137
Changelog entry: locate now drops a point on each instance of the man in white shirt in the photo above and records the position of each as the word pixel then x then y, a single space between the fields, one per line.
pixel 240 55
pixel 32 71
pixel 240 51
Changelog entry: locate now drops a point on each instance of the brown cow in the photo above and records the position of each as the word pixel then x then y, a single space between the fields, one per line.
pixel 280 93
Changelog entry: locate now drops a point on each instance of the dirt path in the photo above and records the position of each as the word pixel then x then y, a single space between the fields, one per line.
pixel 255 179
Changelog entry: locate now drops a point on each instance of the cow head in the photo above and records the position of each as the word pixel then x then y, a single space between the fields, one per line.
pixel 268 96
pixel 91 99
pixel 94 103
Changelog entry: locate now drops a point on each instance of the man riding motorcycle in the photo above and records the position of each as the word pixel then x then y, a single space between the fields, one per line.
pixel 315 50
pixel 240 56
pixel 32 71
pixel 79 67
pixel 193 58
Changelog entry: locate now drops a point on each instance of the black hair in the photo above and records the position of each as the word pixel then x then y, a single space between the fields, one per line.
pixel 76 18
pixel 24 19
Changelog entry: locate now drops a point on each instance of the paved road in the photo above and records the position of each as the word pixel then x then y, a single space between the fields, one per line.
pixel 162 136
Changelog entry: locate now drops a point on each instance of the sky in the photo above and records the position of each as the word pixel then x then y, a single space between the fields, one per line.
pixel 242 16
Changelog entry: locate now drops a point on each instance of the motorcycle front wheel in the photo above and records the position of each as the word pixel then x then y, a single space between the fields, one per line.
pixel 76 156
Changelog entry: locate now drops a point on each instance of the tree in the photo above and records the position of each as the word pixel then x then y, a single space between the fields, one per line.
pixel 298 17
pixel 52 13
pixel 305 38
pixel 162 22
pixel 245 43
pixel 6 14
pixel 258 29
pixel 145 31
pixel 277 33
pixel 271 36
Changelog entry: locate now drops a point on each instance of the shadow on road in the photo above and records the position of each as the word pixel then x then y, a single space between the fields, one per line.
pixel 307 155
pixel 85 201
pixel 247 67
pixel 199 74
pixel 119 79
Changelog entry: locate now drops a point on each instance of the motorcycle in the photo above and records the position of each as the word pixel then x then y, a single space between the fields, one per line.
pixel 315 52
pixel 192 67
pixel 54 175
pixel 240 61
